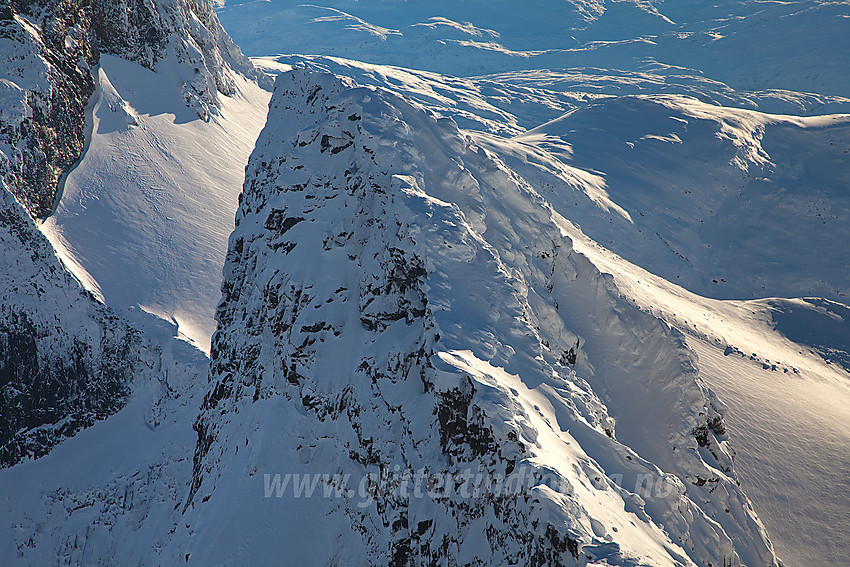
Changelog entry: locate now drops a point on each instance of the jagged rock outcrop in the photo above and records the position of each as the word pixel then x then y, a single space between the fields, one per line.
pixel 46 81
pixel 398 305
pixel 65 359
pixel 51 47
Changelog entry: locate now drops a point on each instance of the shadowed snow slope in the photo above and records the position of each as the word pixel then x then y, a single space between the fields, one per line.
pixel 395 298
pixel 95 416
pixel 95 412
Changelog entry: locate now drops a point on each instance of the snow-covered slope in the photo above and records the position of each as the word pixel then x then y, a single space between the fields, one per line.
pixel 787 401
pixel 95 413
pixel 143 217
pixel 107 496
pixel 409 298
pixel 713 198
pixel 95 416
pixel 397 300
pixel 130 124
pixel 67 360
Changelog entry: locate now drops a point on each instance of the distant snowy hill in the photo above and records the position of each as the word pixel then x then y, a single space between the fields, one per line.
pixel 797 46
pixel 713 198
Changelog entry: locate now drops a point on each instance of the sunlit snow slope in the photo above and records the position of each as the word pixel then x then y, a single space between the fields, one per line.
pixel 787 402
pixel 144 218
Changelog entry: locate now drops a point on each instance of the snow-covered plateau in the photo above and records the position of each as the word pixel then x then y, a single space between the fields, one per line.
pixel 558 284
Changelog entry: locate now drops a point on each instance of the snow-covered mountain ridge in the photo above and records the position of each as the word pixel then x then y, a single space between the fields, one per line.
pixel 695 182
pixel 395 296
pixel 776 389
pixel 435 281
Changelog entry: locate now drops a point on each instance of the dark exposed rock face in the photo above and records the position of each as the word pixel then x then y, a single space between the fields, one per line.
pixel 43 398
pixel 133 30
pixel 51 67
pixel 65 360
pixel 52 46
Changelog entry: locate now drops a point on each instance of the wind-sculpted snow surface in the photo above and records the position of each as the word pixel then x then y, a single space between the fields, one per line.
pixel 707 187
pixel 399 305
pixel 709 197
